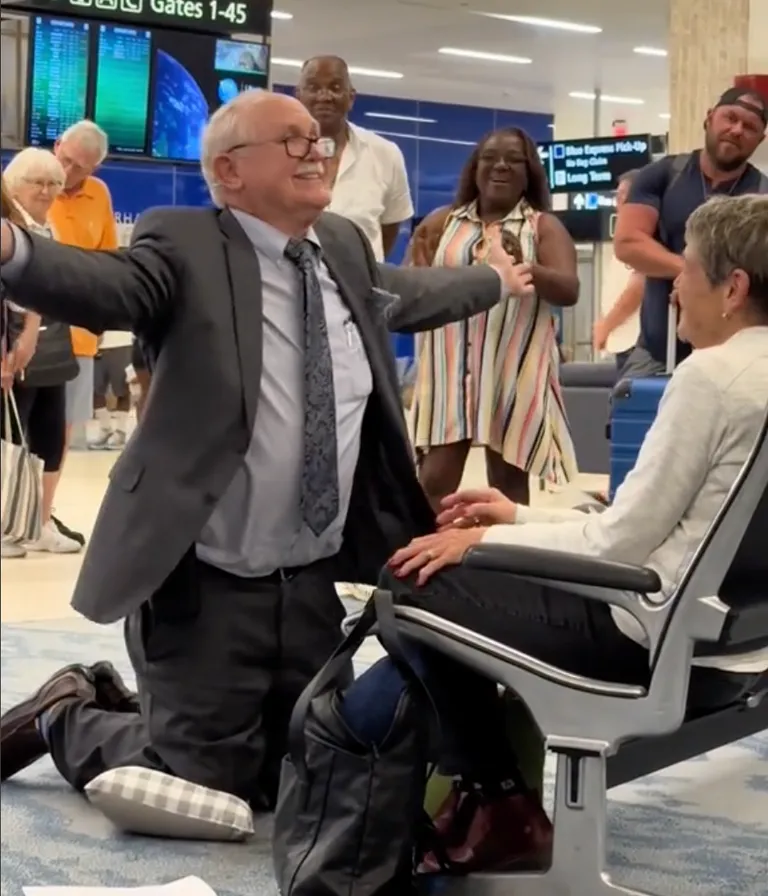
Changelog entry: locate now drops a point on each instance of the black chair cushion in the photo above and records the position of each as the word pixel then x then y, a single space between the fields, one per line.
pixel 746 627
pixel 581 374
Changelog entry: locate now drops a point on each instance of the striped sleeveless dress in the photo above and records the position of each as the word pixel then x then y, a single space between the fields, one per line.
pixel 494 379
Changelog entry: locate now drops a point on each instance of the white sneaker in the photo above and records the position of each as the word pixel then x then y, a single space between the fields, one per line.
pixel 116 441
pixel 54 542
pixel 12 550
pixel 101 442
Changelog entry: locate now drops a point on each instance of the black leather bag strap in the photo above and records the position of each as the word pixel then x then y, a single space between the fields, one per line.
pixel 677 165
pixel 380 608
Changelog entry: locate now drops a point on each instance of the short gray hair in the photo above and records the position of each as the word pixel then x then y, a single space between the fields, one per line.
pixel 730 233
pixel 227 127
pixel 30 162
pixel 90 136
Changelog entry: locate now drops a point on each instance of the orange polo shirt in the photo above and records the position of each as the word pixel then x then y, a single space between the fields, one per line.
pixel 85 219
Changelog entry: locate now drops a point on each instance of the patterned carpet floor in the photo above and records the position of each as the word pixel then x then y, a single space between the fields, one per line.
pixel 698 829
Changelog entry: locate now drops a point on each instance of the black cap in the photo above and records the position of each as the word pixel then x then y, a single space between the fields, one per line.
pixel 747 99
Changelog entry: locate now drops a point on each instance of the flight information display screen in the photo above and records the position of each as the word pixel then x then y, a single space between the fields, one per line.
pixel 152 90
pixel 58 81
pixel 194 74
pixel 121 97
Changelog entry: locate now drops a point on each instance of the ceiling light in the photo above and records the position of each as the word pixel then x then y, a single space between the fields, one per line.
pixel 413 118
pixel 353 69
pixel 665 115
pixel 536 22
pixel 606 97
pixel 283 16
pixel 650 51
pixel 486 57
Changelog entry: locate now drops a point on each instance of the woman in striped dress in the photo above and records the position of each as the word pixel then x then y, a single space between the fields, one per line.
pixel 493 381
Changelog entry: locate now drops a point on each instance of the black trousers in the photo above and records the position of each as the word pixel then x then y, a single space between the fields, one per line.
pixel 220 661
pixel 42 413
pixel 565 630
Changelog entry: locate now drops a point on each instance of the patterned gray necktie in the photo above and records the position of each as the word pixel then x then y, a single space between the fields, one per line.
pixel 320 474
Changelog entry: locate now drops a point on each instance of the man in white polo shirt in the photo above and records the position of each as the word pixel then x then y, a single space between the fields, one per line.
pixel 367 173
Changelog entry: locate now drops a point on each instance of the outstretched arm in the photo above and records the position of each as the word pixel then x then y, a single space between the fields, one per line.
pixel 121 290
pixel 433 297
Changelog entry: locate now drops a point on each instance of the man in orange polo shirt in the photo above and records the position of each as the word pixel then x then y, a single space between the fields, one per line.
pixel 82 216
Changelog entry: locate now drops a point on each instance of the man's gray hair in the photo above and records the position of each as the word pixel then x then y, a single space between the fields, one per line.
pixel 729 233
pixel 227 127
pixel 90 136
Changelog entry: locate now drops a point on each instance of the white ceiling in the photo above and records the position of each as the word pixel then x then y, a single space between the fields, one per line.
pixel 405 36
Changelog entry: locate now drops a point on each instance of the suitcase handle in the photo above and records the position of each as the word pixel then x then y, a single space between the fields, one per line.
pixel 672 334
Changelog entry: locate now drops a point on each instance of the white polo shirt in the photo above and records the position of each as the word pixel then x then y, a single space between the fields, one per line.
pixel 371 186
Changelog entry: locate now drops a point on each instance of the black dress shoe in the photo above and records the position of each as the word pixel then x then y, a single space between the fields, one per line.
pixel 69 533
pixel 112 692
pixel 21 743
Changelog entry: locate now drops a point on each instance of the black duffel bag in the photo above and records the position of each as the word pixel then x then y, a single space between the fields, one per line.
pixel 350 818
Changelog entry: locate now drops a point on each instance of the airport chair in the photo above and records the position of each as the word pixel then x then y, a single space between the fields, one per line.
pixel 605 733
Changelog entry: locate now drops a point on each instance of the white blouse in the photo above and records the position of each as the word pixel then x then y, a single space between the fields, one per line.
pixel 707 424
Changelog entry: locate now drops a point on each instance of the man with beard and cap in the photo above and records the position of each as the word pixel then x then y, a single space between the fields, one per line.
pixel 367 173
pixel 650 231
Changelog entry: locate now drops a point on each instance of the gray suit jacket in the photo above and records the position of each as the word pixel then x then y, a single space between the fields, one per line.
pixel 189 286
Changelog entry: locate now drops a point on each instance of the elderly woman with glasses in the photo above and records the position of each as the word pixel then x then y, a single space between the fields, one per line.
pixel 39 360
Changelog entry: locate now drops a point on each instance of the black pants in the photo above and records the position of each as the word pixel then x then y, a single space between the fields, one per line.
pixel 219 661
pixel 565 630
pixel 42 413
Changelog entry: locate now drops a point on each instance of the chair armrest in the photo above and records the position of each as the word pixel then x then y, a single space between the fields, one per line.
pixel 562 567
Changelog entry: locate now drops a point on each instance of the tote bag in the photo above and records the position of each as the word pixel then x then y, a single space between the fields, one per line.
pixel 350 819
pixel 22 472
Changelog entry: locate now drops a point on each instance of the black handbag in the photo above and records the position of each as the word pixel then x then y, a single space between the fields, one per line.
pixel 53 363
pixel 350 818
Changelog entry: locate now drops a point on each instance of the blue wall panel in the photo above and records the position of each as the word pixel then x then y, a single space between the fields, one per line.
pixel 190 188
pixel 435 138
pixel 136 187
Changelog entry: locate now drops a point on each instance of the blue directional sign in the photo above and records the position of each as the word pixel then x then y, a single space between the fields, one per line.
pixel 593 165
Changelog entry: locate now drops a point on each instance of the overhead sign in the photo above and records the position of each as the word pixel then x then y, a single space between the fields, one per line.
pixel 591 202
pixel 579 166
pixel 210 16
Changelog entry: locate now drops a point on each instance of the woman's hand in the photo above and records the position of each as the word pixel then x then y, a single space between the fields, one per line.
pixel 431 553
pixel 517 278
pixel 7 372
pixel 476 507
pixel 25 348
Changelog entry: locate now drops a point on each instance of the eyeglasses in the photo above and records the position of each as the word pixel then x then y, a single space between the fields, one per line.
pixel 43 184
pixel 296 146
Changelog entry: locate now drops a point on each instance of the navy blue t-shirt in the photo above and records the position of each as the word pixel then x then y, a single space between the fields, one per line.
pixel 689 190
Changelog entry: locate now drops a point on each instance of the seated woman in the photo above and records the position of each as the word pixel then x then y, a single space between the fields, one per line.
pixel 707 423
